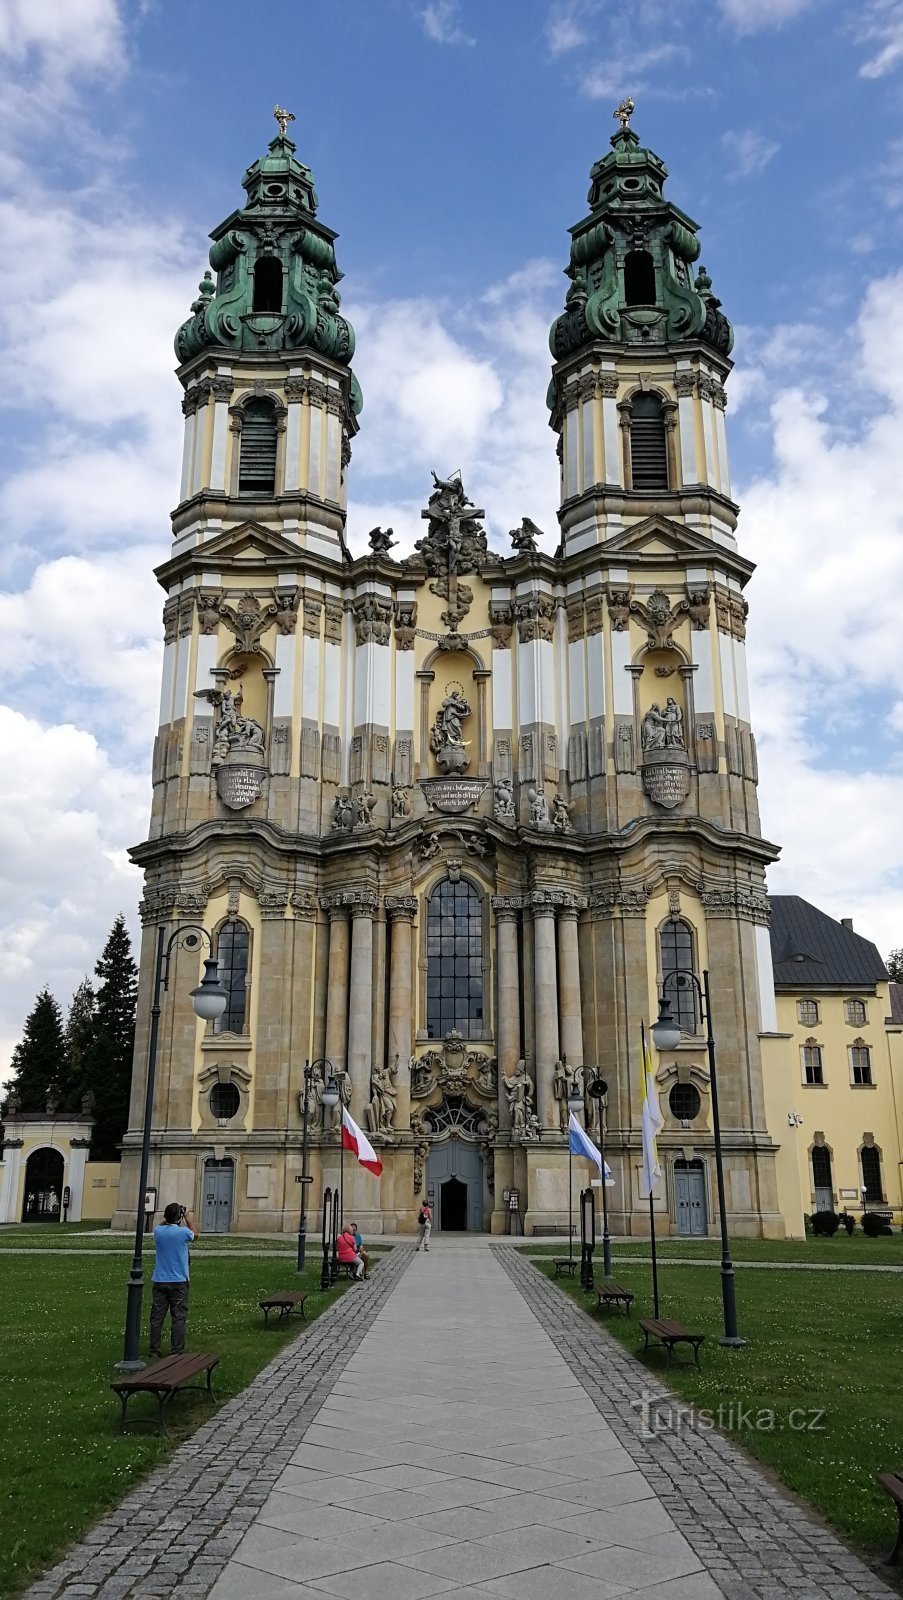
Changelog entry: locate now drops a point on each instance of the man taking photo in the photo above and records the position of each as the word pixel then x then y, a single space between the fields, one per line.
pixel 170 1279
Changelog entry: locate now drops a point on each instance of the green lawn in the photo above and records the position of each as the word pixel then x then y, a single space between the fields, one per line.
pixel 64 1461
pixel 94 1236
pixel 886 1251
pixel 823 1345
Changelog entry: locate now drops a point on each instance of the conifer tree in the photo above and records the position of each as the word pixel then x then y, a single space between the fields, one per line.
pixel 109 1061
pixel 81 1031
pixel 894 965
pixel 38 1061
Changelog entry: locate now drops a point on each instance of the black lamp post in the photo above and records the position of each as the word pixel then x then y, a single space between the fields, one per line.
pixel 666 1034
pixel 599 1091
pixel 210 1001
pixel 325 1274
pixel 329 1097
pixel 575 1106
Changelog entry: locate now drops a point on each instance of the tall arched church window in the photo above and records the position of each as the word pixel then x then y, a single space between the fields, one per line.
pixel 454 961
pixel 257 471
pixel 232 951
pixel 639 278
pixel 676 950
pixel 871 1175
pixel 267 285
pixel 648 447
pixel 822 1180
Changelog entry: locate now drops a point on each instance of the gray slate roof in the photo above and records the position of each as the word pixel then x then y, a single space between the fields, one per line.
pixel 810 950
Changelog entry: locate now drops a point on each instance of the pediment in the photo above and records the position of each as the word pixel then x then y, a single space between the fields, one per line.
pixel 249 546
pixel 659 536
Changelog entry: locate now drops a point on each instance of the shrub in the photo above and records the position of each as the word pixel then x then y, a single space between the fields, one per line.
pixel 825 1223
pixel 848 1222
pixel 875 1223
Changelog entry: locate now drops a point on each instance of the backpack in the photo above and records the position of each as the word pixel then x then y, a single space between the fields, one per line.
pixel 421 1218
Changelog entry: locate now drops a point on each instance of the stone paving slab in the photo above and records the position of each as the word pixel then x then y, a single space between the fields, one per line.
pixel 455 1427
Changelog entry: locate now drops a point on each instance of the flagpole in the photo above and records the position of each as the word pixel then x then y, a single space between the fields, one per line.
pixel 651 1198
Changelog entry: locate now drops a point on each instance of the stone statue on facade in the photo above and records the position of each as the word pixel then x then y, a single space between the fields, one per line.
pixel 560 1094
pixel 89 1103
pixel 446 734
pixel 652 731
pixel 561 820
pixel 503 808
pixel 341 813
pixel 673 719
pixel 539 810
pixel 401 803
pixel 381 541
pixel 455 541
pixel 383 1095
pixel 519 1093
pixel 523 539
pixel 429 847
pixel 233 732
pixel 364 804
pixel 343 1084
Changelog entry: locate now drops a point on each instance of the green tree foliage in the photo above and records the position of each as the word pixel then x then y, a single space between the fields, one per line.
pixel 38 1061
pixel 894 965
pixel 109 1061
pixel 81 1033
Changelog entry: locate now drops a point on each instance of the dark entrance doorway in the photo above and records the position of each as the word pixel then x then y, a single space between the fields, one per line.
pixel 454 1206
pixel 43 1186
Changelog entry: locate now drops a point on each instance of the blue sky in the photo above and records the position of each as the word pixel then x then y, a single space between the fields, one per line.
pixel 451 146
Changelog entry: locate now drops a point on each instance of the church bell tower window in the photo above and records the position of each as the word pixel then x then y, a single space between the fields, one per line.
pixel 639 278
pixel 454 952
pixel 232 950
pixel 268 285
pixel 257 472
pixel 676 947
pixel 648 446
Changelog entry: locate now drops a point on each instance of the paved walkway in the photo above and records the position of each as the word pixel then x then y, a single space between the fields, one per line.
pixel 457 1427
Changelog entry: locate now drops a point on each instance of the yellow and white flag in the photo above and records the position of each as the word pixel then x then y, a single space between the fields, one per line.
pixel 652 1121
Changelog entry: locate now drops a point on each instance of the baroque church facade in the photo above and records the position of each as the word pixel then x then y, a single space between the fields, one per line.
pixel 451 819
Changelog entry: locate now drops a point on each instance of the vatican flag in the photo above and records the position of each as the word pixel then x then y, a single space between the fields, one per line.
pixel 652 1121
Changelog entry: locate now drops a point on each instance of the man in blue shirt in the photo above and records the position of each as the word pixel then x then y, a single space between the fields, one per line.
pixel 170 1280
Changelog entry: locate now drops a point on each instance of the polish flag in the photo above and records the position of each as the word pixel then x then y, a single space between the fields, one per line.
pixel 354 1139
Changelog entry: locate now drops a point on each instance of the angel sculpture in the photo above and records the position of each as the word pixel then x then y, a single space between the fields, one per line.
pixel 523 539
pixel 233 731
pixel 381 541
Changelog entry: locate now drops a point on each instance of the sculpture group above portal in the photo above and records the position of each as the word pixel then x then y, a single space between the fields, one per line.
pixel 666 769
pixel 238 749
pixel 663 729
pixel 455 541
pixel 446 734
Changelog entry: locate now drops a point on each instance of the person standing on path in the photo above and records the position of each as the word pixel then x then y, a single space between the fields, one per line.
pixel 425 1224
pixel 170 1278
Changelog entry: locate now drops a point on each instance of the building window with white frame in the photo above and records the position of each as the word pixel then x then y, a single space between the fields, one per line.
pixel 807 1012
pixel 676 955
pixel 860 1063
pixel 856 1013
pixel 813 1068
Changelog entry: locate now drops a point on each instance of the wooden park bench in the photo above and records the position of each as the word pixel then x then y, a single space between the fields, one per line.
pixel 285 1303
pixel 669 1334
pixel 892 1484
pixel 565 1264
pixel 163 1378
pixel 612 1294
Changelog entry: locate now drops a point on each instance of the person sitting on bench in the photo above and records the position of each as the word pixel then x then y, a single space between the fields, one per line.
pixel 347 1252
pixel 359 1241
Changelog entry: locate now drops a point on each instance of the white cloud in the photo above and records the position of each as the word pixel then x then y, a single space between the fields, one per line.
pixel 440 23
pixel 881 28
pixel 566 26
pixel 747 151
pixel 752 16
pixel 76 35
pixel 627 73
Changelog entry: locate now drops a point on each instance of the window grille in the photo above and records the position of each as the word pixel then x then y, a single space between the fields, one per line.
pixel 648 449
pixel 257 470
pixel 856 1012
pixel 454 947
pixel 676 946
pixel 807 1012
pixel 232 951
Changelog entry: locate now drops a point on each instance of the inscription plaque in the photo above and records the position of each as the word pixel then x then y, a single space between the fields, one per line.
pixel 452 795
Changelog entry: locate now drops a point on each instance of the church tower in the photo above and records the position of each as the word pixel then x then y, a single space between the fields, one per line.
pixel 450 819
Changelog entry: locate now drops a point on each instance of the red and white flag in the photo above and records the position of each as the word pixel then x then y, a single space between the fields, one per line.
pixel 354 1139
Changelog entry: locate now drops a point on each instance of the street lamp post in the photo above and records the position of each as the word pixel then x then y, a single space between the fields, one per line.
pixel 599 1091
pixel 329 1097
pixel 209 1000
pixel 666 1034
pixel 575 1106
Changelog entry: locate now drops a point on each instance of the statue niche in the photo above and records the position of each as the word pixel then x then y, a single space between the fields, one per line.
pixel 666 763
pixel 446 735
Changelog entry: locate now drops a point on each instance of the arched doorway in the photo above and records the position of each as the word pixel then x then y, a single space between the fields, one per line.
pixel 454 1181
pixel 43 1198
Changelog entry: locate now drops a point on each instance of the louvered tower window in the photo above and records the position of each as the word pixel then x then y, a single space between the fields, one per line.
pixel 648 450
pixel 257 472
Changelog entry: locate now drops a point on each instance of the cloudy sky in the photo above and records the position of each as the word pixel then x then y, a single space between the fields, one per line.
pixel 451 143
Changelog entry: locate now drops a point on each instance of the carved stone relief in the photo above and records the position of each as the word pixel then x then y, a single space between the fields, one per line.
pixel 372 619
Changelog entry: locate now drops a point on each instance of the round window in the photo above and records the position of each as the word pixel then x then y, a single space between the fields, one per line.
pixel 684 1102
pixel 224 1101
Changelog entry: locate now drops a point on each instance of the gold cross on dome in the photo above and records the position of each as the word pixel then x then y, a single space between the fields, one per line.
pixel 624 112
pixel 284 118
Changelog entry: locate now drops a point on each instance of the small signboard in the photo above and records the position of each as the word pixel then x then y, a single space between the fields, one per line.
pixel 150 1200
pixel 305 1178
pixel 513 1199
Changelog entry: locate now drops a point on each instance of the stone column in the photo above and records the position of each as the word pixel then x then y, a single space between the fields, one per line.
pixel 400 910
pixel 569 987
pixel 507 1028
pixel 360 1008
pixel 337 990
pixel 545 1000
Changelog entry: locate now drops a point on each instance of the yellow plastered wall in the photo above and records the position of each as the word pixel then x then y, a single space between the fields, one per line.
pixel 101 1191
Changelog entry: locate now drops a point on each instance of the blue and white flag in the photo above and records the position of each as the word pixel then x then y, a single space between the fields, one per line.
pixel 580 1144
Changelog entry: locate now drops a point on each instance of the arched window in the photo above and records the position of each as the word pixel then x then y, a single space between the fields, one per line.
pixel 676 946
pixel 822 1181
pixel 267 285
pixel 871 1175
pixel 648 449
pixel 257 471
pixel 639 278
pixel 232 949
pixel 454 961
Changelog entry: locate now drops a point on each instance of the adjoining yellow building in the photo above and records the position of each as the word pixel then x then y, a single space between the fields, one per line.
pixel 45 1174
pixel 832 1068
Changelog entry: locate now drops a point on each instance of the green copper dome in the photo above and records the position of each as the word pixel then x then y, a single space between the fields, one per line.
pixel 630 262
pixel 276 271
